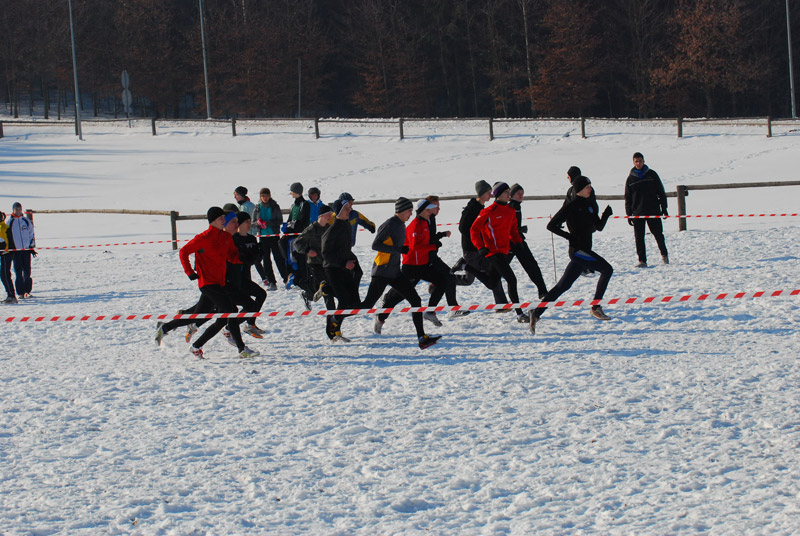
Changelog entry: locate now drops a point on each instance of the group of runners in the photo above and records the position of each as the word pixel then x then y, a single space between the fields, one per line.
pixel 313 251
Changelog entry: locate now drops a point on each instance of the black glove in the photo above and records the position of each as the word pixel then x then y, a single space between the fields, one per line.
pixel 438 244
pixel 483 251
pixel 193 276
pixel 33 252
pixel 404 249
pixel 665 213
pixel 607 212
pixel 630 221
pixel 523 229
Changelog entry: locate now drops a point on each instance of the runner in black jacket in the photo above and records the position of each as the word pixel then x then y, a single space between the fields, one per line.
pixel 476 265
pixel 338 261
pixel 645 196
pixel 522 251
pixel 582 220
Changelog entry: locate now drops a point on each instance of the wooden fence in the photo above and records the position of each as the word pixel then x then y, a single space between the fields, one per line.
pixel 681 193
pixel 766 122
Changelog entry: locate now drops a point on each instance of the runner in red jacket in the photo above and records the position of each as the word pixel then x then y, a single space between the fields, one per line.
pixel 493 232
pixel 212 249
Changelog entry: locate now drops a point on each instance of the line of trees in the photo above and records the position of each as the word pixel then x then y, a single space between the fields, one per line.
pixel 410 58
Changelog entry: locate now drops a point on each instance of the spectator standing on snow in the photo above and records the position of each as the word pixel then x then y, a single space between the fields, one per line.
pixel 20 229
pixel 314 204
pixel 212 250
pixel 522 251
pixel 645 196
pixel 245 205
pixel 268 220
pixel 297 221
pixel 390 244
pixel 582 220
pixel 6 244
pixel 493 233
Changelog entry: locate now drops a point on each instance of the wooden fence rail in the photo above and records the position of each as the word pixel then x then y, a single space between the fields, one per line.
pixel 403 121
pixel 682 191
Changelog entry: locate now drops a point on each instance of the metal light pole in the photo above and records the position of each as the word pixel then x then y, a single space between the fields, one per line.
pixel 205 60
pixel 299 86
pixel 791 70
pixel 78 129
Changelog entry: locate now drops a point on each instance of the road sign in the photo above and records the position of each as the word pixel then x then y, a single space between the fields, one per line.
pixel 127 99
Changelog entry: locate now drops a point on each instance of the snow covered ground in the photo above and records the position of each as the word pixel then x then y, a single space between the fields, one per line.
pixel 673 418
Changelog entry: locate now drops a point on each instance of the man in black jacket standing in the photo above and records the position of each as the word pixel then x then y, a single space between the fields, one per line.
pixel 645 196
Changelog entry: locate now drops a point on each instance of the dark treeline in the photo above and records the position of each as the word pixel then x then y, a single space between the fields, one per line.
pixel 410 58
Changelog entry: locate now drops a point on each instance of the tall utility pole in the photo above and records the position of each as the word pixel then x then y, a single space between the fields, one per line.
pixel 78 129
pixel 299 85
pixel 205 59
pixel 791 70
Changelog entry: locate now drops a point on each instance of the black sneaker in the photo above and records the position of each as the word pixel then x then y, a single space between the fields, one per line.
pixel 306 300
pixel 428 340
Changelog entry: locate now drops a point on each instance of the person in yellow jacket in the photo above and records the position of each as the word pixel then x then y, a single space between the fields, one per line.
pixel 6 244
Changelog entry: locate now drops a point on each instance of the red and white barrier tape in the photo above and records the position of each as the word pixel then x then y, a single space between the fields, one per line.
pixel 406 310
pixel 705 216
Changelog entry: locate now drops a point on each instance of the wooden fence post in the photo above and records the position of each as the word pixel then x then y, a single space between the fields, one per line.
pixel 769 126
pixel 153 125
pixel 680 127
pixel 233 126
pixel 316 127
pixel 682 192
pixel 583 128
pixel 491 129
pixel 401 128
pixel 173 221
pixel 1 129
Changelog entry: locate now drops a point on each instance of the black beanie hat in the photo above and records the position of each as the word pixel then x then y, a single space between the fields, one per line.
pixel 515 188
pixel 242 216
pixel 296 188
pixel 324 209
pixel 214 213
pixel 241 190
pixel 573 173
pixel 481 187
pixel 579 183
pixel 499 188
pixel 314 191
pixel 337 206
pixel 402 204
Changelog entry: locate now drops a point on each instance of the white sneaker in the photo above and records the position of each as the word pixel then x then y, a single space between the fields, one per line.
pixel 247 353
pixel 197 352
pixel 228 337
pixel 377 327
pixel 431 317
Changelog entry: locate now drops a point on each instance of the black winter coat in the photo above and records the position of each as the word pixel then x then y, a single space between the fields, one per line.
pixel 336 244
pixel 468 216
pixel 582 219
pixel 645 196
pixel 311 238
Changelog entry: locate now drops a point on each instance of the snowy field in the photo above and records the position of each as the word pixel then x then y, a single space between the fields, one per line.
pixel 677 418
